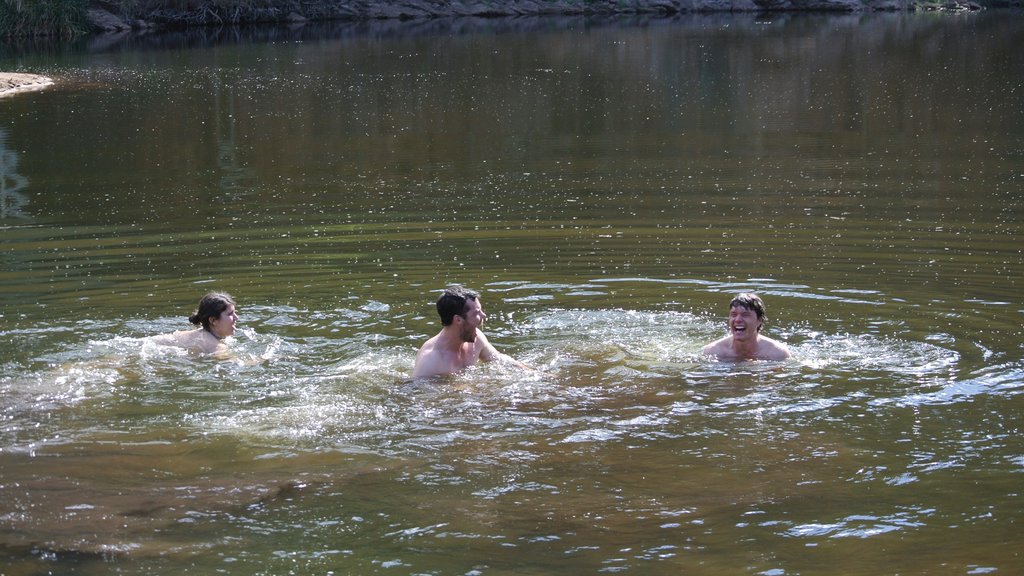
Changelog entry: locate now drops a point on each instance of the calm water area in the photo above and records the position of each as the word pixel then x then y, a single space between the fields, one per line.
pixel 607 185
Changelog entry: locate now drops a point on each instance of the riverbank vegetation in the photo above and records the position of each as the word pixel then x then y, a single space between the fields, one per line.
pixel 43 17
pixel 70 18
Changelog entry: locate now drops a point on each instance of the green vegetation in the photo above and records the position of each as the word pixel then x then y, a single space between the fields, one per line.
pixel 42 17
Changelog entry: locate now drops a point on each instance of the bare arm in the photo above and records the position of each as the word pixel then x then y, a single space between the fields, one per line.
pixel 489 353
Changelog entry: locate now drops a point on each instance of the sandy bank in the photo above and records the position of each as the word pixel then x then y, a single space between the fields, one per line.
pixel 12 83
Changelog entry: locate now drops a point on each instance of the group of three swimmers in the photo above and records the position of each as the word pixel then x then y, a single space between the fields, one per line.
pixel 461 343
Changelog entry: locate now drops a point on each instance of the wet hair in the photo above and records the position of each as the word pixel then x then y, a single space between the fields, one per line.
pixel 453 302
pixel 752 302
pixel 210 306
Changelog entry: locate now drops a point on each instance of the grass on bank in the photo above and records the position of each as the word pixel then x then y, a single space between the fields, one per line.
pixel 43 17
pixel 67 18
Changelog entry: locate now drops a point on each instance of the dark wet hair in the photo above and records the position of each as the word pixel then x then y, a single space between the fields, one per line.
pixel 211 306
pixel 453 302
pixel 750 301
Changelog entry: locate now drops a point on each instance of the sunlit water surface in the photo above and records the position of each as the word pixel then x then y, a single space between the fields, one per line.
pixel 607 187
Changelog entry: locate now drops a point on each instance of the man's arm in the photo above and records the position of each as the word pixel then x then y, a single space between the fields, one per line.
pixel 489 353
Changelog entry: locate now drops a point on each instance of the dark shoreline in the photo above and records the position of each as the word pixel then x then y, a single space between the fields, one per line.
pixel 103 17
pixel 159 38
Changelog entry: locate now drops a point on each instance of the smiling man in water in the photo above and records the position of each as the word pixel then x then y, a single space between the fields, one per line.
pixel 460 343
pixel 745 342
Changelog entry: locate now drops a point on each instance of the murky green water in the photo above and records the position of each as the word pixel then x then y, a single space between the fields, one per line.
pixel 607 187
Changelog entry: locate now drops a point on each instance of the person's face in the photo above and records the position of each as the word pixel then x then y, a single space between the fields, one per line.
pixel 743 323
pixel 471 319
pixel 224 325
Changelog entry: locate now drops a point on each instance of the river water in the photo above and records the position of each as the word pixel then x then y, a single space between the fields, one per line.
pixel 607 186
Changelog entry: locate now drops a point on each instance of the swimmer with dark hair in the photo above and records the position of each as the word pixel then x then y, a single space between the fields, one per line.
pixel 215 320
pixel 460 343
pixel 745 341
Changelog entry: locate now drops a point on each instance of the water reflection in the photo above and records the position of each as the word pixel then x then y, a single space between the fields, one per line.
pixel 12 200
pixel 211 36
pixel 235 177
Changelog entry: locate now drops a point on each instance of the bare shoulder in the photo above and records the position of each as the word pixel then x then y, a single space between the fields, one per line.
pixel 181 338
pixel 719 347
pixel 427 347
pixel 770 349
pixel 198 340
pixel 428 361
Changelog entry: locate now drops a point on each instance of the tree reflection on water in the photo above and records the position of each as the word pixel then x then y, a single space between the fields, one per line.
pixel 12 201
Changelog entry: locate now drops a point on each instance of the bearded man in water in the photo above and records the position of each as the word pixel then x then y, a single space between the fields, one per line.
pixel 745 342
pixel 460 343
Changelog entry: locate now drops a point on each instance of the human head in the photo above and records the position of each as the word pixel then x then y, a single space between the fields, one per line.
pixel 210 306
pixel 753 303
pixel 453 302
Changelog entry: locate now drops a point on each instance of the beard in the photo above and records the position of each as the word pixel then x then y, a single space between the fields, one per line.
pixel 469 334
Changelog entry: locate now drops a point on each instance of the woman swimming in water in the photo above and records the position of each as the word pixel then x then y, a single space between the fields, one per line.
pixel 215 318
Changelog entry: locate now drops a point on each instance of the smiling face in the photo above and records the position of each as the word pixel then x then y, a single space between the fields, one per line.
pixel 223 325
pixel 743 323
